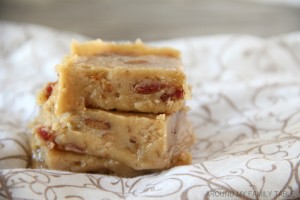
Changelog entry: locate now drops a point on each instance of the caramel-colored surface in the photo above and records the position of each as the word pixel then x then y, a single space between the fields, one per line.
pixel 46 158
pixel 140 62
pixel 99 47
pixel 141 141
pixel 114 106
pixel 139 83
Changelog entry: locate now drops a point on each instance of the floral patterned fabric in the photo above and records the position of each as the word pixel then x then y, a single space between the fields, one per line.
pixel 245 110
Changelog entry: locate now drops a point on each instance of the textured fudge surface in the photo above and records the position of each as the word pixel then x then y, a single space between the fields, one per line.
pixel 141 141
pixel 52 158
pixel 125 77
pixel 99 47
pixel 115 109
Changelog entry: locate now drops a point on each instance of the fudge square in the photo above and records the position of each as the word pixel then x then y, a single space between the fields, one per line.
pixel 141 141
pixel 121 76
pixel 44 157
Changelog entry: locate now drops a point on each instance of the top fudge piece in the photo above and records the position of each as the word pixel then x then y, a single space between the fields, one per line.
pixel 126 77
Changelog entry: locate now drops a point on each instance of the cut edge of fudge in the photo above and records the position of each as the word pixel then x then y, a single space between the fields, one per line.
pixel 66 132
pixel 45 157
pixel 131 90
pixel 99 47
pixel 100 138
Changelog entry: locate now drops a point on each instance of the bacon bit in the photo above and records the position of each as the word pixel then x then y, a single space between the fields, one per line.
pixel 97 124
pixel 148 88
pixel 177 94
pixel 74 148
pixel 49 89
pixel 45 133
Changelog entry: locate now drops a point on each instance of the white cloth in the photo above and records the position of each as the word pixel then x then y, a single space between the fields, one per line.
pixel 245 109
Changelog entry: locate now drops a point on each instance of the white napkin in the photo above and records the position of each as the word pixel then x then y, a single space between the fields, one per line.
pixel 245 109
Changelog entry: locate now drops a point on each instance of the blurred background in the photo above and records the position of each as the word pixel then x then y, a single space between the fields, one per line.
pixel 157 19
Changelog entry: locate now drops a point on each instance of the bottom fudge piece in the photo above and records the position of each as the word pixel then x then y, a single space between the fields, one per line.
pixel 47 158
pixel 140 141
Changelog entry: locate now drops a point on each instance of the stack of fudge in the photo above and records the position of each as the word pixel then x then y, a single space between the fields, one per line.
pixel 116 108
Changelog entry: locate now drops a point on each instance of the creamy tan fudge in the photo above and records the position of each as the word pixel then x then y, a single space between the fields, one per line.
pixel 52 158
pixel 125 77
pixel 140 141
pixel 117 108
